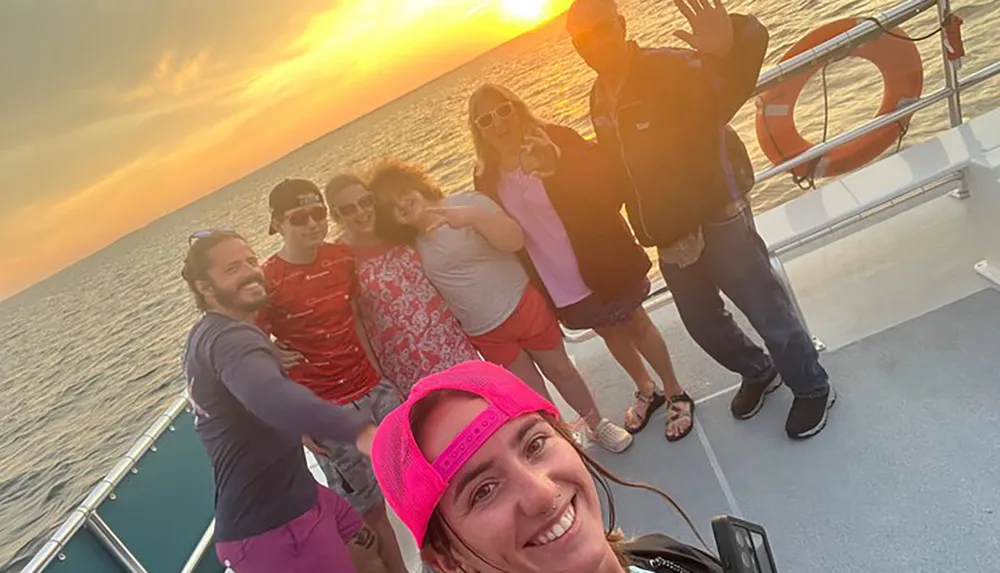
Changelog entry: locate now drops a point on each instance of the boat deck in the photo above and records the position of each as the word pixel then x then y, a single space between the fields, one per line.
pixel 902 477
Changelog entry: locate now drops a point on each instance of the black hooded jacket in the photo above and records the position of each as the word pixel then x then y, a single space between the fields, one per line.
pixel 668 129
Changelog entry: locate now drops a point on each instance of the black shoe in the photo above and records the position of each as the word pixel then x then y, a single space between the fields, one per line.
pixel 808 415
pixel 750 397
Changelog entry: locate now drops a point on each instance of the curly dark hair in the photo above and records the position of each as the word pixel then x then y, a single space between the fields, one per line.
pixel 391 178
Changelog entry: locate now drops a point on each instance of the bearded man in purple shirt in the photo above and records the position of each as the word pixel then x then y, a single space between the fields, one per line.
pixel 270 513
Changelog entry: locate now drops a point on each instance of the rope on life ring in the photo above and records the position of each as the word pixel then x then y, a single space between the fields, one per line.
pixel 897 58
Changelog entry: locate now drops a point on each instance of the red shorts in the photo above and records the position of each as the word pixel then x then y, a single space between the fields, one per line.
pixel 532 326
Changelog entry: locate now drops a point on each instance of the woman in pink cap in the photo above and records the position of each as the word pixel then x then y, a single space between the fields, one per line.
pixel 485 476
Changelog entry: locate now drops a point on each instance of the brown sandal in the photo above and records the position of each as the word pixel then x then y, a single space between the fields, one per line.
pixel 636 421
pixel 674 414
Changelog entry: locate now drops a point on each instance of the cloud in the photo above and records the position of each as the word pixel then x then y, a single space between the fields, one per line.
pixel 59 229
pixel 171 76
pixel 100 192
pixel 81 63
pixel 128 111
pixel 476 9
pixel 356 38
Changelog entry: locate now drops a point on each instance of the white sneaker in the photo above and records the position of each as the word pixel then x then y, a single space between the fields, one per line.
pixel 610 436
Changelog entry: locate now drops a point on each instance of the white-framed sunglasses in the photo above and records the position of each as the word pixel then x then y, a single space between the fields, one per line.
pixel 502 111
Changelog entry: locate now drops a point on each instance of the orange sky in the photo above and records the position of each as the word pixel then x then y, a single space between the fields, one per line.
pixel 125 114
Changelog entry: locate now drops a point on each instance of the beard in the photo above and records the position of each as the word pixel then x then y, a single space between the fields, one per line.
pixel 230 298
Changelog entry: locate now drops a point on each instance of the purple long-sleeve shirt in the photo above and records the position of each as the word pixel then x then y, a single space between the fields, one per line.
pixel 251 418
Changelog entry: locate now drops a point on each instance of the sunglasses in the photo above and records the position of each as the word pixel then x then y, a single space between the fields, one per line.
pixel 301 218
pixel 198 235
pixel 598 32
pixel 365 203
pixel 502 111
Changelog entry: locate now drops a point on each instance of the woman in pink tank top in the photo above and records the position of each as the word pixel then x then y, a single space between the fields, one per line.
pixel 579 250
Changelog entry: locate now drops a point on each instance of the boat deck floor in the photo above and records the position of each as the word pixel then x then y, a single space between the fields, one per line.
pixel 903 477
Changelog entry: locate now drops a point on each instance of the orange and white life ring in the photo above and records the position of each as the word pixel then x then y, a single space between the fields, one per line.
pixel 903 80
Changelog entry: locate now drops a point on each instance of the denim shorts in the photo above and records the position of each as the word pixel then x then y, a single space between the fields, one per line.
pixel 349 472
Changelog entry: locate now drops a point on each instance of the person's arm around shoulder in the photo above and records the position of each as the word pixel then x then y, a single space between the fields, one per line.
pixel 265 321
pixel 252 373
pixel 487 218
pixel 570 145
pixel 585 167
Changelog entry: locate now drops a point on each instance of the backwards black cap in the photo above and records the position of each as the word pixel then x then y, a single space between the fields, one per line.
pixel 291 194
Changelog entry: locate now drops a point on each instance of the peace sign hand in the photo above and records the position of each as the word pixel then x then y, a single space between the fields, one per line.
pixel 711 28
pixel 539 155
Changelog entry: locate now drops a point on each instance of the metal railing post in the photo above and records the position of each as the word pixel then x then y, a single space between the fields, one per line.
pixel 950 69
pixel 200 549
pixel 951 82
pixel 838 47
pixel 779 272
pixel 113 544
pixel 82 514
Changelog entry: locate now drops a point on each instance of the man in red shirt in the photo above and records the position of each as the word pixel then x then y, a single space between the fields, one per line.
pixel 311 311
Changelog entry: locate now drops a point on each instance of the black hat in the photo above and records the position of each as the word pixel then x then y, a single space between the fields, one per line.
pixel 291 194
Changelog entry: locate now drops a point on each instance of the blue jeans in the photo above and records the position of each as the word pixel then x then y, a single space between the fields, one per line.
pixel 735 260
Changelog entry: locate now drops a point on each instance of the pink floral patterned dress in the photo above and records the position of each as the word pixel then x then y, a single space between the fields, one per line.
pixel 412 332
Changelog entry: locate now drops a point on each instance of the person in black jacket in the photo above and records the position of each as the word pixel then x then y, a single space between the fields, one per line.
pixel 664 114
pixel 578 250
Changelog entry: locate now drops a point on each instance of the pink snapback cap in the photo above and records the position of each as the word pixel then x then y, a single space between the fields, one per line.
pixel 411 484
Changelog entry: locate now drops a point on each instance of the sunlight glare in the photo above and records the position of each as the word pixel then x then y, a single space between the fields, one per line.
pixel 523 9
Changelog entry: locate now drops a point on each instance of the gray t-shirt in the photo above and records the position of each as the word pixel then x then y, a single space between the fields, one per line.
pixel 481 285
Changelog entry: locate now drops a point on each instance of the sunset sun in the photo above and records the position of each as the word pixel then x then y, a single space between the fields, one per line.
pixel 524 9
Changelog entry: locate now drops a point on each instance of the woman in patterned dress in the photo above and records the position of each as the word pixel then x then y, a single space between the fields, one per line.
pixel 412 332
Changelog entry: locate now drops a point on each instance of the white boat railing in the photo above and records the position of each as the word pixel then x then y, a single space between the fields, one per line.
pixel 840 46
pixel 203 546
pixel 834 49
pixel 113 544
pixel 85 514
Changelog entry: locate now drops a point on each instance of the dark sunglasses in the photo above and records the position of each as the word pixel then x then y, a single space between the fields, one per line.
pixel 365 203
pixel 197 235
pixel 600 31
pixel 501 111
pixel 301 218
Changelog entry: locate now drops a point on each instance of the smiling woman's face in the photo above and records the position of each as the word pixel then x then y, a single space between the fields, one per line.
pixel 496 119
pixel 524 502
pixel 354 208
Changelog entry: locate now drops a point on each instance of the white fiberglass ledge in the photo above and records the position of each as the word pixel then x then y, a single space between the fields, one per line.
pixel 982 179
